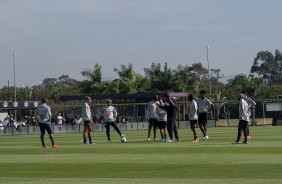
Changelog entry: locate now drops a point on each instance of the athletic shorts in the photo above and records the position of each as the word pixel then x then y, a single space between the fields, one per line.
pixel 112 123
pixel 44 127
pixel 161 124
pixel 87 123
pixel 193 123
pixel 203 118
pixel 153 122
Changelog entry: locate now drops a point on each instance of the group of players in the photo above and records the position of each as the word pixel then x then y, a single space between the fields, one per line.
pixel 161 113
pixel 109 114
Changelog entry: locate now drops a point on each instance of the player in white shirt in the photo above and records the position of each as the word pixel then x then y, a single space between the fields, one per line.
pixel 251 105
pixel 204 108
pixel 109 114
pixel 43 116
pixel 193 116
pixel 243 119
pixel 87 120
pixel 162 121
pixel 152 116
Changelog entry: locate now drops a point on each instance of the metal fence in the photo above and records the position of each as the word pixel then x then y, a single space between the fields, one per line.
pixel 59 129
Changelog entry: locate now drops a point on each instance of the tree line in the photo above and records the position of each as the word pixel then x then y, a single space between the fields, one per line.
pixel 263 82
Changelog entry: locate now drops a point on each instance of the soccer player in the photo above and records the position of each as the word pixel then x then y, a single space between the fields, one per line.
pixel 193 116
pixel 43 115
pixel 162 121
pixel 109 115
pixel 251 105
pixel 87 120
pixel 170 107
pixel 243 119
pixel 151 114
pixel 204 108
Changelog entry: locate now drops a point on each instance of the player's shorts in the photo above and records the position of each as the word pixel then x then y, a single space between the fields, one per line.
pixel 112 123
pixel 161 124
pixel 87 123
pixel 203 118
pixel 153 122
pixel 44 127
pixel 193 123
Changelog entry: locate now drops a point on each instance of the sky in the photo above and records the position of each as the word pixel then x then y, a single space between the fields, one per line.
pixel 63 37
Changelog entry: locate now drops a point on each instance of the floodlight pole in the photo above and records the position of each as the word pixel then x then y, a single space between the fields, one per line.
pixel 209 69
pixel 15 91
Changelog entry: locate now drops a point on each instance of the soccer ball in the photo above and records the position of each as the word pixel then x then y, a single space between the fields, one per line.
pixel 122 138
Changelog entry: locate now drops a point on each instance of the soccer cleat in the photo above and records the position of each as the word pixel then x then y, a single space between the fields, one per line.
pixel 245 142
pixel 204 138
pixel 91 142
pixel 109 142
pixel 177 140
pixel 236 142
pixel 44 146
pixel 85 142
pixel 55 146
pixel 169 140
pixel 195 140
pixel 148 139
pixel 156 139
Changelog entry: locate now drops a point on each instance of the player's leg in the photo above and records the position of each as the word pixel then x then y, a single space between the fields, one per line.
pixel 240 128
pixel 151 124
pixel 85 132
pixel 161 127
pixel 201 120
pixel 42 132
pixel 245 131
pixel 113 124
pixel 107 126
pixel 89 132
pixel 49 131
pixel 193 124
pixel 175 130
pixel 169 128
pixel 165 129
pixel 155 128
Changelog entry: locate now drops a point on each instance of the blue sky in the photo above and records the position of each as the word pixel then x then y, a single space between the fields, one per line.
pixel 58 37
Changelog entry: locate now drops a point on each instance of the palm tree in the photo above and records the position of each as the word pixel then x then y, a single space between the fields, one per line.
pixel 217 104
pixel 95 79
pixel 126 81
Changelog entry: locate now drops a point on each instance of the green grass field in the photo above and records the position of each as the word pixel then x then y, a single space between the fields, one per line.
pixel 22 160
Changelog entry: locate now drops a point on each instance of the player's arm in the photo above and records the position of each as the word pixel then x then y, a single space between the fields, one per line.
pixel 49 114
pixel 114 113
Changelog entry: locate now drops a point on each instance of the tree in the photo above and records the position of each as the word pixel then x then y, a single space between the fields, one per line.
pixel 65 80
pixel 125 72
pixel 240 80
pixel 126 81
pixel 161 80
pixel 182 79
pixel 215 74
pixel 55 93
pixel 217 104
pixel 200 75
pixel 243 82
pixel 95 80
pixel 47 82
pixel 268 66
